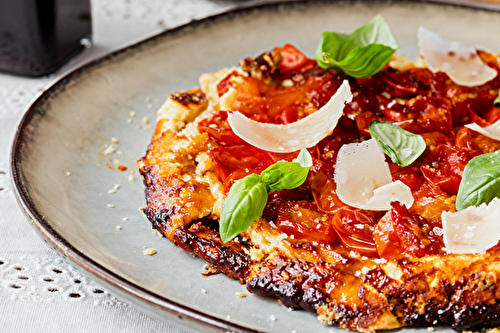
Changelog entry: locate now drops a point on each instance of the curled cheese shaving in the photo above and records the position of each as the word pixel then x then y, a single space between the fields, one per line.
pixel 364 180
pixel 461 62
pixel 492 131
pixel 306 132
pixel 472 230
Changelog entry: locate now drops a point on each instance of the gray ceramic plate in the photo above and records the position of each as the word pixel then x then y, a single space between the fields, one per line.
pixel 62 177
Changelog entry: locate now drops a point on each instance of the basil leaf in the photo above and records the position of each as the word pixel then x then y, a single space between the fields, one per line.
pixel 401 146
pixel 247 198
pixel 496 102
pixel 480 181
pixel 244 204
pixel 288 175
pixel 361 53
pixel 304 158
pixel 284 176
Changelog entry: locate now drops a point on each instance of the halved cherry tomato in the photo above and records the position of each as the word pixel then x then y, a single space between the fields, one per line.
pixel 302 220
pixel 324 192
pixel 410 175
pixel 293 60
pixel 354 230
pixel 399 235
pixel 444 167
pixel 219 130
pixel 476 143
pixel 225 83
pixel 229 159
pixel 401 84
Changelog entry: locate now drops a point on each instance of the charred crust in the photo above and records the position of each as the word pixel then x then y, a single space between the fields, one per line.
pixel 297 284
pixel 187 98
pixel 469 303
pixel 206 244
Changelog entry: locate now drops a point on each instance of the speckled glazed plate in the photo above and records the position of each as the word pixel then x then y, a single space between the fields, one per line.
pixel 63 177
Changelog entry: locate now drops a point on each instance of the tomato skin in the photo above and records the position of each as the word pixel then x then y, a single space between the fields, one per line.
pixel 400 235
pixel 401 84
pixel 444 166
pixel 224 85
pixel 219 130
pixel 302 220
pixel 354 231
pixel 423 115
pixel 409 175
pixel 475 143
pixel 324 190
pixel 230 159
pixel 293 60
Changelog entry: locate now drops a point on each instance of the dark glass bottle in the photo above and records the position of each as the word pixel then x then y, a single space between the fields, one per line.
pixel 38 36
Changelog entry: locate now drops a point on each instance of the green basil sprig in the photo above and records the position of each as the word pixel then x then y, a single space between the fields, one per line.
pixel 247 197
pixel 480 181
pixel 496 102
pixel 361 53
pixel 401 146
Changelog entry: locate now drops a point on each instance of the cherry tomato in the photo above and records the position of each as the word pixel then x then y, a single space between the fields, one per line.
pixel 225 83
pixel 230 159
pixel 280 99
pixel 444 167
pixel 401 84
pixel 302 220
pixel 410 175
pixel 324 189
pixel 293 60
pixel 288 115
pixel 354 230
pixel 476 143
pixel 219 130
pixel 400 235
pixel 249 97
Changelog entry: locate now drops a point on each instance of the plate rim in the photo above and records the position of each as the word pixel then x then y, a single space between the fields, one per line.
pixel 62 247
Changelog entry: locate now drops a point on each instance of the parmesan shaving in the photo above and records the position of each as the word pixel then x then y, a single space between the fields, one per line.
pixel 364 180
pixel 492 131
pixel 472 230
pixel 460 62
pixel 304 133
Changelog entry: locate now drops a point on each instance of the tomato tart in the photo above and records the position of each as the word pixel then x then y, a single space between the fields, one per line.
pixel 359 185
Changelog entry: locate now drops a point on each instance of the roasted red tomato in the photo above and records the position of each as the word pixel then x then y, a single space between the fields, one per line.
pixel 400 235
pixel 219 130
pixel 354 230
pixel 400 84
pixel 324 190
pixel 444 167
pixel 225 83
pixel 303 220
pixel 293 60
pixel 476 143
pixel 410 175
pixel 229 159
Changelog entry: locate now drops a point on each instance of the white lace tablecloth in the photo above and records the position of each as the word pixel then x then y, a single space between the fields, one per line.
pixel 38 291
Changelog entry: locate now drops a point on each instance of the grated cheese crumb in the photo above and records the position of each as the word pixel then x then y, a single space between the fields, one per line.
pixel 111 191
pixel 241 294
pixel 149 252
pixel 132 113
pixel 111 206
pixel 110 150
pixel 114 140
pixel 125 219
pixel 118 227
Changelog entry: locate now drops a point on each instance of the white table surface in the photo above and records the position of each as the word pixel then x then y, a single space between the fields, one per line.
pixel 35 284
